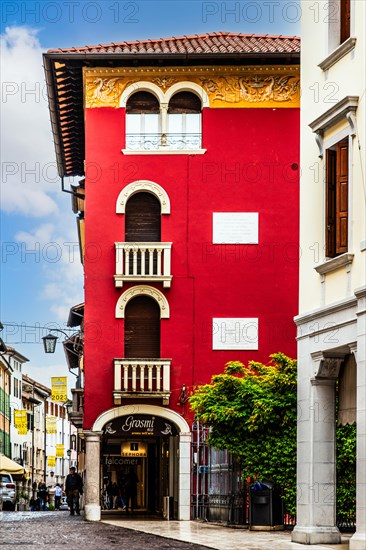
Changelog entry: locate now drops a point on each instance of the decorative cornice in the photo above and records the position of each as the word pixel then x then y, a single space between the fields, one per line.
pixel 347 46
pixel 266 87
pixel 342 305
pixel 335 114
pixel 334 263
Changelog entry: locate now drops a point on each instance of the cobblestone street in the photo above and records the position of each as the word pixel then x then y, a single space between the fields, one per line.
pixel 56 530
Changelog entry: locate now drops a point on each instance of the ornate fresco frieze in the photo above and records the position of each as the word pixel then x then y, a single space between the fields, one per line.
pixel 249 87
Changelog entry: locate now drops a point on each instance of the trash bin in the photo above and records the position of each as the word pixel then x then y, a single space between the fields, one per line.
pixel 266 507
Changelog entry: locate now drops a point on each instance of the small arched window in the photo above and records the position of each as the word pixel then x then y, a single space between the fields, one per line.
pixel 143 125
pixel 184 121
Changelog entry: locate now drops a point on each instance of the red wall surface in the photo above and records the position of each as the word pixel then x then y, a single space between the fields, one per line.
pixel 248 167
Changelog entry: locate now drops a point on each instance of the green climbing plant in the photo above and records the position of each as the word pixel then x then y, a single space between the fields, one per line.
pixel 252 412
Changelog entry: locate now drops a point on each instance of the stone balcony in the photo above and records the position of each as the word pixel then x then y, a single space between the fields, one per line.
pixel 141 378
pixel 141 262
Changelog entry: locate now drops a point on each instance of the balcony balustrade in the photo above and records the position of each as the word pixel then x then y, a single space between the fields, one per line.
pixel 158 142
pixel 138 262
pixel 141 378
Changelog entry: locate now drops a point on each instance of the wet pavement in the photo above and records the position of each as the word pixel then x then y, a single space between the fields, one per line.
pixel 56 530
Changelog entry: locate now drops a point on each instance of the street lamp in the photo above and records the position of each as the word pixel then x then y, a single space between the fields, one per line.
pixel 50 341
pixel 68 452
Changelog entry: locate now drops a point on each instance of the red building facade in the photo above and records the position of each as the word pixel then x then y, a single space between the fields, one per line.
pixel 189 234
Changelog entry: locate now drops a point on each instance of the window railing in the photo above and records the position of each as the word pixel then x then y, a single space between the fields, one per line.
pixel 145 378
pixel 143 262
pixel 169 141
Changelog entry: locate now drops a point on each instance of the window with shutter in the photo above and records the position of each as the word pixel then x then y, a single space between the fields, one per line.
pixel 142 328
pixel 345 20
pixel 337 199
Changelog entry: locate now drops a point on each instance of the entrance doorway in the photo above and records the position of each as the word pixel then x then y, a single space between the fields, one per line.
pixel 136 444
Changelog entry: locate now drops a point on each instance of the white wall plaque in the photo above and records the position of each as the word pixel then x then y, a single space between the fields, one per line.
pixel 235 333
pixel 235 228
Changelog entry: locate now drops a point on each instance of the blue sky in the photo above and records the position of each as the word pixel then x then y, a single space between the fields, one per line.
pixel 41 276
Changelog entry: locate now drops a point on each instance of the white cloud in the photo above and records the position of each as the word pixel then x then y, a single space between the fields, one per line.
pixel 61 265
pixel 28 169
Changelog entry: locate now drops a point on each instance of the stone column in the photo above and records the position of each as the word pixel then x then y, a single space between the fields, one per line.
pixel 358 540
pixel 184 512
pixel 92 476
pixel 316 454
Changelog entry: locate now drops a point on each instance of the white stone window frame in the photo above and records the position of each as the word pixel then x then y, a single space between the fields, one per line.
pixel 336 50
pixel 164 98
pixel 343 111
pixel 140 186
pixel 142 290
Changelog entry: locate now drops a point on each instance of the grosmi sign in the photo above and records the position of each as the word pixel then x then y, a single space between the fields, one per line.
pixel 139 424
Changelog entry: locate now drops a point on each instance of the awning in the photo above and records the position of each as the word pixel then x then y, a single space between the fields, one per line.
pixel 8 466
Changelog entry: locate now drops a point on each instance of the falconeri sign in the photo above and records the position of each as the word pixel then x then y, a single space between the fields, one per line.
pixel 139 424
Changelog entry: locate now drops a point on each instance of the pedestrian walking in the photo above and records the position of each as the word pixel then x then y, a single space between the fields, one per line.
pixel 58 495
pixel 74 488
pixel 131 481
pixel 43 496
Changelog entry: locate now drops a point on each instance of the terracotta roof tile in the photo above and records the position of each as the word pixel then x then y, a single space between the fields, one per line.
pixel 216 42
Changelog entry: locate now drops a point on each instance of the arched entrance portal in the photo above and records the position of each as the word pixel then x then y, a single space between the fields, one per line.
pixel 155 443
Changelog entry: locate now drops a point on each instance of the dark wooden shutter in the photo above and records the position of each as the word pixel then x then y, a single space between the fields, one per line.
pixel 142 102
pixel 331 162
pixel 142 328
pixel 345 16
pixel 143 218
pixel 184 102
pixel 342 198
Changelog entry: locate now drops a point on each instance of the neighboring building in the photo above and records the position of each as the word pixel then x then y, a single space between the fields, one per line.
pixel 332 317
pixel 190 150
pixel 5 410
pixel 38 444
pixel 16 360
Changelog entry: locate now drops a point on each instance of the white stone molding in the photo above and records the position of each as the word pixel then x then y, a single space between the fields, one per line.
pixel 343 110
pixel 344 48
pixel 327 367
pixel 142 86
pixel 186 86
pixel 335 263
pixel 142 290
pixel 138 187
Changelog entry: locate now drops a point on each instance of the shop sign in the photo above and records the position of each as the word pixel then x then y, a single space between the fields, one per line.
pixel 121 461
pixel 141 425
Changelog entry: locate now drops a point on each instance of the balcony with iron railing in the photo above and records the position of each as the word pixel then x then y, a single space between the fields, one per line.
pixel 141 378
pixel 137 262
pixel 161 142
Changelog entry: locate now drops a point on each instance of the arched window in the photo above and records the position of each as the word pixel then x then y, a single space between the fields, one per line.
pixel 143 218
pixel 184 121
pixel 143 125
pixel 143 225
pixel 142 328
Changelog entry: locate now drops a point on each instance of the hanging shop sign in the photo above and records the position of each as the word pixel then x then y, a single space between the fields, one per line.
pixel 59 388
pixel 51 461
pixel 51 425
pixel 60 450
pixel 141 425
pixel 21 421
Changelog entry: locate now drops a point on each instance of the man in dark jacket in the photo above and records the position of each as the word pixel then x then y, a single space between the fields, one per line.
pixel 74 488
